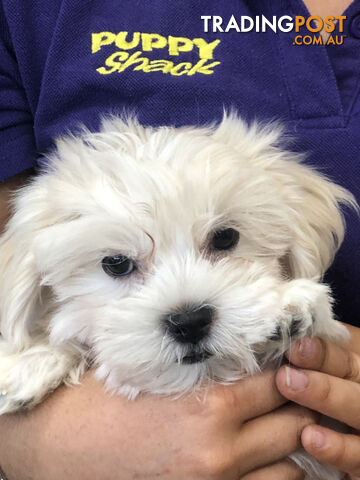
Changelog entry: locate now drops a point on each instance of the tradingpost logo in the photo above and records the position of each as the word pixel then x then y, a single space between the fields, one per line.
pixel 307 29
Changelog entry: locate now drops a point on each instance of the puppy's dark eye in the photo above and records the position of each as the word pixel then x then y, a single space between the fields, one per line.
pixel 118 266
pixel 225 239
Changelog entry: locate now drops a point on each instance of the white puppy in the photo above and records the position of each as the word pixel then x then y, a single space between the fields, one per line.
pixel 165 257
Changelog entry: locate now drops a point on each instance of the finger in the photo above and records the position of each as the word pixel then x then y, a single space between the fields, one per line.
pixel 326 357
pixel 283 470
pixel 251 396
pixel 333 448
pixel 321 392
pixel 272 437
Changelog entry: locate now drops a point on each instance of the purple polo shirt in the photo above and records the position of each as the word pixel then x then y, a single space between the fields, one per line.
pixel 67 62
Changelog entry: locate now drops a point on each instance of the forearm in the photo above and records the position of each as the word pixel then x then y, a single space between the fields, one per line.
pixel 15 449
pixel 35 444
pixel 84 432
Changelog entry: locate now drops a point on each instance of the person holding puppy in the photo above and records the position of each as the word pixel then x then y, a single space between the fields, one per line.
pixel 228 436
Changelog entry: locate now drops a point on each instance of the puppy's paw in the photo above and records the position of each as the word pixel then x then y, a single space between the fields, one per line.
pixel 14 394
pixel 27 377
pixel 307 310
pixel 11 403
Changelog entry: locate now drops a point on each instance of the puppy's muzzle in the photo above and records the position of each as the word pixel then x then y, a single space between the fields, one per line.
pixel 190 325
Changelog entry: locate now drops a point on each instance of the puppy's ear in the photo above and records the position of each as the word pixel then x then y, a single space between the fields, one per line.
pixel 313 202
pixel 19 278
pixel 318 228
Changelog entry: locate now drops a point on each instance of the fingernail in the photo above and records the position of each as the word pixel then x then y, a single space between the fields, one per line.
pixel 295 379
pixel 306 347
pixel 317 439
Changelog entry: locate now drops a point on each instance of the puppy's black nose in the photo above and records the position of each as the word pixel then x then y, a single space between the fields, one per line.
pixel 190 326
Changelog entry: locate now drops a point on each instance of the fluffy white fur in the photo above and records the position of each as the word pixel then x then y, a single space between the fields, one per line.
pixel 156 196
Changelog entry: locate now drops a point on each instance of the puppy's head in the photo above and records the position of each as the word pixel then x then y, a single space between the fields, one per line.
pixel 161 249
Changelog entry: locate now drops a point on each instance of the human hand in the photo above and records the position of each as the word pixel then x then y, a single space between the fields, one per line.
pixel 84 432
pixel 329 383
